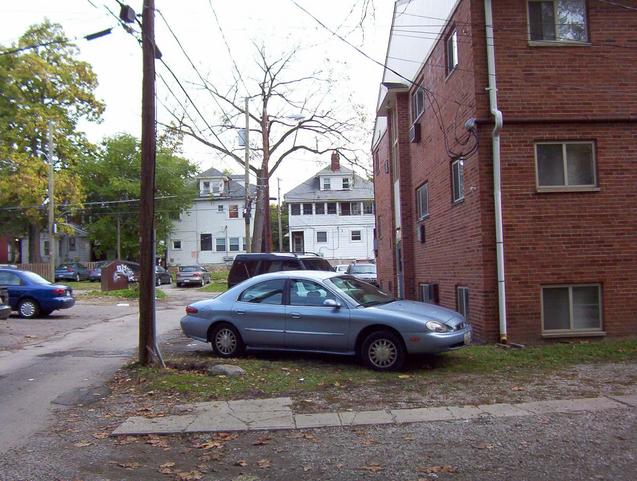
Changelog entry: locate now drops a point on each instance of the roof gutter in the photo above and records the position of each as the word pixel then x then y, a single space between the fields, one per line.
pixel 497 195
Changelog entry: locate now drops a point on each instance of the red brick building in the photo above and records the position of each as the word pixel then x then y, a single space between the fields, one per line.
pixel 564 80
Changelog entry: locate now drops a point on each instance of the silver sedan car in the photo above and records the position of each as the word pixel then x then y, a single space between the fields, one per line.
pixel 328 312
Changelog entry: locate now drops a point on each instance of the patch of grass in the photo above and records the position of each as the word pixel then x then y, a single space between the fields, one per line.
pixel 129 293
pixel 289 374
pixel 82 285
pixel 219 282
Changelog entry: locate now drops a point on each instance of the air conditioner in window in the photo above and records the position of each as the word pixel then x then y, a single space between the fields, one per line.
pixel 414 133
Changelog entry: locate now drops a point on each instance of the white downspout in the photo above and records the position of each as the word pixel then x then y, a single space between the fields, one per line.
pixel 497 197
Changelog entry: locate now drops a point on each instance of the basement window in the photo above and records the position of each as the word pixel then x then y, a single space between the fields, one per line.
pixel 571 309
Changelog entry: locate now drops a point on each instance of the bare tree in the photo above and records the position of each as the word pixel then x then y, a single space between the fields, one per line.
pixel 295 113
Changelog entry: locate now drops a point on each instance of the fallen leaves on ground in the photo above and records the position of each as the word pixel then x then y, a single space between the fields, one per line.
pixel 127 440
pixel 438 469
pixel 101 435
pixel 371 468
pixel 264 463
pixel 167 468
pixel 517 388
pixel 262 441
pixel 241 462
pixel 483 446
pixel 83 444
pixel 189 476
pixel 130 466
pixel 157 441
pixel 368 442
pixel 308 436
pixel 210 445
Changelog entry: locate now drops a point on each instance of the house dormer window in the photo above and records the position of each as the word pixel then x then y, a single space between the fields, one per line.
pixel 326 183
pixel 205 187
pixel 216 188
pixel 346 183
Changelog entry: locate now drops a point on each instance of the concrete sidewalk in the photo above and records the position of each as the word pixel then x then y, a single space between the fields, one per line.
pixel 277 414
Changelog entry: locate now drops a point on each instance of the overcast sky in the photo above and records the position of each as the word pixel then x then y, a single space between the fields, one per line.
pixel 278 24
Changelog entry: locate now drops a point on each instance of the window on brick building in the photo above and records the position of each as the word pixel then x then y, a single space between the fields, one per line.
pixel 462 301
pixel 422 200
pixel 205 241
pixel 295 209
pixel 457 180
pixel 417 104
pixel 565 165
pixel 557 21
pixel 571 308
pixel 319 208
pixel 429 293
pixel 451 53
pixel 321 236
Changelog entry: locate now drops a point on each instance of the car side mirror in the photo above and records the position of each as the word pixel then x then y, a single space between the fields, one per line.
pixel 332 303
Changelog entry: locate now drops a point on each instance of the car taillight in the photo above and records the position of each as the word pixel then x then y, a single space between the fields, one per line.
pixel 191 310
pixel 60 291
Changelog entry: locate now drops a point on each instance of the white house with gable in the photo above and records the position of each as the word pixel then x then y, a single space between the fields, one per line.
pixel 213 230
pixel 332 214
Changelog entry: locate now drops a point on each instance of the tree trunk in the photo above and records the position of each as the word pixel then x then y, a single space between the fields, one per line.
pixel 257 234
pixel 34 244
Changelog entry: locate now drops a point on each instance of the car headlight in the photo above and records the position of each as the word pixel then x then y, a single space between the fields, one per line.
pixel 436 326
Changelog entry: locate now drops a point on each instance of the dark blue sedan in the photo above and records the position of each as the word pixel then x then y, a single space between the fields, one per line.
pixel 32 295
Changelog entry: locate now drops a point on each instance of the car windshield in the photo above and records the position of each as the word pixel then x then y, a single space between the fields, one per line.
pixel 361 292
pixel 189 269
pixel 317 265
pixel 35 278
pixel 363 269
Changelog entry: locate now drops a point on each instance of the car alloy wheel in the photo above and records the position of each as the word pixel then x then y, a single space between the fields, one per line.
pixel 28 309
pixel 226 341
pixel 158 281
pixel 77 278
pixel 383 351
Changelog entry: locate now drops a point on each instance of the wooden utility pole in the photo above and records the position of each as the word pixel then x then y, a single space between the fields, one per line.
pixel 278 180
pixel 147 352
pixel 51 202
pixel 247 207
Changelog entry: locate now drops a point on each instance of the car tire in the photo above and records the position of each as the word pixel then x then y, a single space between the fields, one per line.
pixel 158 281
pixel 203 282
pixel 28 309
pixel 383 351
pixel 77 278
pixel 226 341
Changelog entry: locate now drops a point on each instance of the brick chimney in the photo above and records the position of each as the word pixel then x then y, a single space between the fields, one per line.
pixel 336 165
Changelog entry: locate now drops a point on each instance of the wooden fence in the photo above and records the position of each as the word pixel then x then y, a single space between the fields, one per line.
pixel 43 268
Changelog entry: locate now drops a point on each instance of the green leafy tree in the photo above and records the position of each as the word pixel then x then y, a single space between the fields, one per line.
pixel 274 227
pixel 113 179
pixel 42 80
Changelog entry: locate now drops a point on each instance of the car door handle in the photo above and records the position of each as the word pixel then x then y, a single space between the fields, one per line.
pixel 241 313
pixel 295 315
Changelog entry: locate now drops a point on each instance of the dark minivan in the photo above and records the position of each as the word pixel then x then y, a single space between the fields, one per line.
pixel 250 265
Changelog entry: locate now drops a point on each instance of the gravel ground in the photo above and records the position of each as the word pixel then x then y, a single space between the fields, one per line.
pixel 589 446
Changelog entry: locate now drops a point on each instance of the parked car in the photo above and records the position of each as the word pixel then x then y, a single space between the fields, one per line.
pixel 162 276
pixel 72 271
pixel 245 266
pixel 341 268
pixel 194 274
pixel 364 272
pixel 5 308
pixel 32 295
pixel 321 311
pixel 95 274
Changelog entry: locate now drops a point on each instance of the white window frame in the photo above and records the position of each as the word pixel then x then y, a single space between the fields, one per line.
pixel 311 208
pixel 423 210
pixel 417 104
pixel 355 208
pixel 360 235
pixel 201 243
pixel 346 183
pixel 459 181
pixel 462 301
pixel 298 205
pixel 204 188
pixel 316 212
pixel 238 244
pixel 451 51
pixel 370 204
pixel 427 293
pixel 566 186
pixel 217 245
pixel 175 248
pixel 317 236
pixel 220 208
pixel 572 331
pixel 558 40
pixel 327 183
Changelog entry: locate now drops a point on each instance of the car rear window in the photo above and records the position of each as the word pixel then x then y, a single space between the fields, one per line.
pixel 363 269
pixel 189 269
pixel 317 265
pixel 65 266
